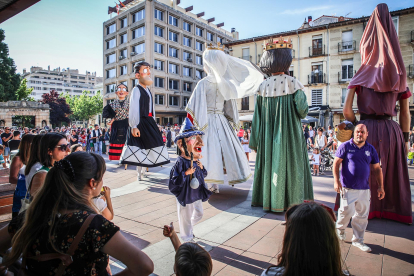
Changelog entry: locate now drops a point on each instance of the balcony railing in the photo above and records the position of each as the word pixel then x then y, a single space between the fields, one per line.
pixel 411 71
pixel 317 51
pixel 341 80
pixel 316 78
pixel 346 46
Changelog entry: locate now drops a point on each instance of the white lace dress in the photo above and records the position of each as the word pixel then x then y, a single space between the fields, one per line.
pixel 219 120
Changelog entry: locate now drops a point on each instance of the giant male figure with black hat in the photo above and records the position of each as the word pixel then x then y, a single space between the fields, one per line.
pixel 144 146
pixel 282 175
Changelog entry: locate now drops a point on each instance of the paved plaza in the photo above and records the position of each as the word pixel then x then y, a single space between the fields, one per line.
pixel 241 239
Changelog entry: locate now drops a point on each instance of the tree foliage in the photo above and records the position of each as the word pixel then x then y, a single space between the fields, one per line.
pixel 59 109
pixel 9 79
pixel 84 107
pixel 22 93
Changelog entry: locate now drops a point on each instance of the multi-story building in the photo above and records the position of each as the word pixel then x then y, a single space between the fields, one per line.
pixel 171 39
pixel 63 81
pixel 326 56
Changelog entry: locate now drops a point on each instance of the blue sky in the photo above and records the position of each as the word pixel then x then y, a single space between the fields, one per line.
pixel 68 33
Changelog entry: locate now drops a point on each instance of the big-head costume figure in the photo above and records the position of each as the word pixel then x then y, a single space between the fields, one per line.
pixel 144 146
pixel 212 108
pixel 187 179
pixel 282 174
pixel 118 112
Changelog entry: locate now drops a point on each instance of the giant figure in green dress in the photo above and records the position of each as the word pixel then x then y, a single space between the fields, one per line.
pixel 282 175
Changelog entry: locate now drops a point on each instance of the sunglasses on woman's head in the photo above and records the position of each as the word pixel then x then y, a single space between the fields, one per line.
pixel 64 147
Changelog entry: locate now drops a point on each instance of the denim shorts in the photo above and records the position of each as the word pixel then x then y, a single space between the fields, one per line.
pixel 6 151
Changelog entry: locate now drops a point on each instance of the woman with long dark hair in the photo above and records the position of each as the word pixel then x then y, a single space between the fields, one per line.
pixel 33 164
pixel 51 224
pixel 310 234
pixel 17 168
pixel 53 147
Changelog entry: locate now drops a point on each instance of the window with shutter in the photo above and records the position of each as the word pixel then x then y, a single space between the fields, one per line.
pixel 317 97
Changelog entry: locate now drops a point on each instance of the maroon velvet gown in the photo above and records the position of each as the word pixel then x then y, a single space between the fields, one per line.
pixel 387 138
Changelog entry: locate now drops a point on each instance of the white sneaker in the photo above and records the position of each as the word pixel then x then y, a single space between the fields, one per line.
pixel 341 234
pixel 362 246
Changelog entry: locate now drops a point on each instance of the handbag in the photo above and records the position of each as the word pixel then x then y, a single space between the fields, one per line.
pixel 65 258
pixel 25 201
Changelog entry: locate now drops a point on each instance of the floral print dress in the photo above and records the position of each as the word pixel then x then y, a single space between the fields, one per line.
pixel 88 258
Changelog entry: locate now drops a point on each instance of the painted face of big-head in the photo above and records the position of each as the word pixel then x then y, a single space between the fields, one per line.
pixel 194 145
pixel 144 75
pixel 122 92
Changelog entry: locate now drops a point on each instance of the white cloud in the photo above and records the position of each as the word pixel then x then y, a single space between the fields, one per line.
pixel 307 10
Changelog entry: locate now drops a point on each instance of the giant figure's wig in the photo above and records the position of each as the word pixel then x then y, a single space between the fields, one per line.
pixel 276 60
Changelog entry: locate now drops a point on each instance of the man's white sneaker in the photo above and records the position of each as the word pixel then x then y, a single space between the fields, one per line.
pixel 362 246
pixel 341 234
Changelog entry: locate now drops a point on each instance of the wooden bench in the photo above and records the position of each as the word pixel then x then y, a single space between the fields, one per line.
pixel 6 193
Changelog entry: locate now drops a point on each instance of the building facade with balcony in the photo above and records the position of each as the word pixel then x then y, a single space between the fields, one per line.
pixel 63 81
pixel 325 58
pixel 171 39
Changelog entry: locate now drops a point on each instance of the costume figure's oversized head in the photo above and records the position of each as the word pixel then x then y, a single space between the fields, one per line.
pixel 122 91
pixel 189 140
pixel 277 57
pixel 143 73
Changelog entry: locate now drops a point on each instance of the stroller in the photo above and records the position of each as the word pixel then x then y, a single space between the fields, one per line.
pixel 326 159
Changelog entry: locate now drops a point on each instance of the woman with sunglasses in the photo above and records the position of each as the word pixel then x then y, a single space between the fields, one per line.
pixel 53 147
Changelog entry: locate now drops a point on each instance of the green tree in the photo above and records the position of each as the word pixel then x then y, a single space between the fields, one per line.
pixel 9 79
pixel 84 107
pixel 22 93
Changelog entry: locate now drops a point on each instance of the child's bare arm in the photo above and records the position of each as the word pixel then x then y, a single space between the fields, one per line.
pixel 108 213
pixel 170 232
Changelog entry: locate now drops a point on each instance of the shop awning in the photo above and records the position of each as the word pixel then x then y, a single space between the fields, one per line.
pixel 246 118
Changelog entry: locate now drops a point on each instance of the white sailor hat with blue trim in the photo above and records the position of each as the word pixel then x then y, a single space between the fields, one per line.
pixel 187 130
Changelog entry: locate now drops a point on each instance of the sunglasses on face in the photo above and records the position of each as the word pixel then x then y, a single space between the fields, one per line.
pixel 64 147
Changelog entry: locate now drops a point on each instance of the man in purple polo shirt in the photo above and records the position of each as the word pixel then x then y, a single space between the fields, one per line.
pixel 358 159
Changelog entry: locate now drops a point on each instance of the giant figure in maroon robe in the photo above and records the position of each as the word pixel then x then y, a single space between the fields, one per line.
pixel 379 84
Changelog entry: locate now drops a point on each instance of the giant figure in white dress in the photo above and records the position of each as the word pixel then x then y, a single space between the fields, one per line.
pixel 213 110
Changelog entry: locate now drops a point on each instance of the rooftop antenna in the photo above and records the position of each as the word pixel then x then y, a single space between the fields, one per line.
pixel 347 14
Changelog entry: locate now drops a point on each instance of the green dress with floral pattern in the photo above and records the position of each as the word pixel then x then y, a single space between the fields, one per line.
pixel 282 174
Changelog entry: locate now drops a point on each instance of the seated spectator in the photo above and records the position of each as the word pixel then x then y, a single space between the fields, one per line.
pixel 103 203
pixel 310 233
pixel 17 177
pixel 76 147
pixel 190 258
pixel 14 143
pixel 55 217
pixel 53 147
